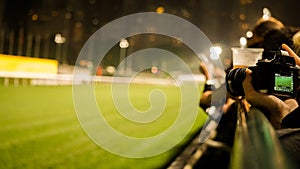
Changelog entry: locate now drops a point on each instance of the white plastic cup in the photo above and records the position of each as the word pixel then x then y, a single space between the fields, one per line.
pixel 246 57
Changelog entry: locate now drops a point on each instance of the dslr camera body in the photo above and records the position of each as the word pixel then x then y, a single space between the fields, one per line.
pixel 276 74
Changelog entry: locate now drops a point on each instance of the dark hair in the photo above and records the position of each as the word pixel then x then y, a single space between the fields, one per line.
pixel 260 31
pixel 265 27
pixel 275 38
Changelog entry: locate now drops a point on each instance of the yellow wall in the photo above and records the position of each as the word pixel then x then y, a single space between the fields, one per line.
pixel 9 63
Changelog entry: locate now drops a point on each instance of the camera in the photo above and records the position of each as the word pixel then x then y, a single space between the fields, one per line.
pixel 276 74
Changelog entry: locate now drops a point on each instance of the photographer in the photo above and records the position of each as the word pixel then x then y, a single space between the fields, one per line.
pixel 284 115
pixel 279 110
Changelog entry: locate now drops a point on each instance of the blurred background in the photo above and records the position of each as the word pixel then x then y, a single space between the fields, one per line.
pixel 40 41
pixel 57 29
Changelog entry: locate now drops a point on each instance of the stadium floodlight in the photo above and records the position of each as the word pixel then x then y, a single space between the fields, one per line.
pixel 124 44
pixel 59 39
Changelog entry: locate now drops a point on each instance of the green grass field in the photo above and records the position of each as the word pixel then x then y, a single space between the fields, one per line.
pixel 284 83
pixel 39 129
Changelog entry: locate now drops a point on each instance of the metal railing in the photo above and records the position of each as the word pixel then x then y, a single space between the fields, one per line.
pixel 256 144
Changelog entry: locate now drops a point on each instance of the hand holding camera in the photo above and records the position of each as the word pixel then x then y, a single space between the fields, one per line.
pixel 274 76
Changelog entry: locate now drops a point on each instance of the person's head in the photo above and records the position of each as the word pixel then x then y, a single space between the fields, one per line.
pixel 274 39
pixel 262 28
pixel 296 40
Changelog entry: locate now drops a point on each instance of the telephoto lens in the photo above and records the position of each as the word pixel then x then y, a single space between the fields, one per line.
pixel 234 79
